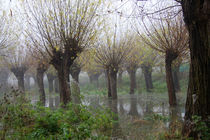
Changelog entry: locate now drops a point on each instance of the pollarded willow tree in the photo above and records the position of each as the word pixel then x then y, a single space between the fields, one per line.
pixel 170 37
pixel 90 66
pixel 175 70
pixel 197 19
pixel 64 29
pixel 147 64
pixel 141 56
pixel 111 54
pixel 133 61
pixel 18 62
pixel 41 65
pixel 51 76
pixel 41 68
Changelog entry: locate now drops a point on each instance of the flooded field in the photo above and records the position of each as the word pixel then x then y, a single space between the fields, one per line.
pixel 137 117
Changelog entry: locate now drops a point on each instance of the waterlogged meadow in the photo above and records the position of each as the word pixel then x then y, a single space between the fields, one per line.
pixel 20 120
pixel 130 117
pixel 140 116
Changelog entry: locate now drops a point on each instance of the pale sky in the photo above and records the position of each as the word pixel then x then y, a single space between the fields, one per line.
pixel 121 12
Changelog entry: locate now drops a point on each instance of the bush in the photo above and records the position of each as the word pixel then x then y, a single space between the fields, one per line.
pixel 21 120
pixel 201 127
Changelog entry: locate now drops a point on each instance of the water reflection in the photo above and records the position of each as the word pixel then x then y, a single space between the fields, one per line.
pixel 129 113
pixel 51 102
pixel 117 130
pixel 133 106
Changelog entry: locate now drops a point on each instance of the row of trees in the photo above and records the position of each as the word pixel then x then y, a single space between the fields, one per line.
pixel 57 38
pixel 60 30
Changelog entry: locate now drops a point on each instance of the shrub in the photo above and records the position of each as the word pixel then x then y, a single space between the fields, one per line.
pixel 21 120
pixel 201 127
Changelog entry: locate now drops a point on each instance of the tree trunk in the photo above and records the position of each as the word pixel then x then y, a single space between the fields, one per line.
pixel 50 83
pixel 51 104
pixel 113 83
pixel 75 76
pixel 35 80
pixel 64 85
pixel 176 79
pixel 19 74
pixel 133 108
pixel 20 78
pixel 27 83
pixel 132 75
pixel 94 78
pixel 56 85
pixel 122 111
pixel 75 70
pixel 120 78
pixel 150 80
pixel 40 82
pixel 57 101
pixel 108 83
pixel 147 70
pixel 90 78
pixel 50 78
pixel 4 74
pixel 97 82
pixel 170 56
pixel 196 16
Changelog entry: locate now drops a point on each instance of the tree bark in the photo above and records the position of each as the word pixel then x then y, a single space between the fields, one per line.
pixel 51 104
pixel 176 78
pixel 62 60
pixel 91 78
pixel 56 85
pixel 50 83
pixel 94 78
pixel 74 71
pixel 133 108
pixel 75 76
pixel 27 83
pixel 64 85
pixel 97 82
pixel 4 74
pixel 20 78
pixel 170 56
pixel 113 83
pixel 40 82
pixel 147 70
pixel 19 74
pixel 197 18
pixel 132 75
pixel 50 78
pixel 35 80
pixel 108 83
pixel 120 78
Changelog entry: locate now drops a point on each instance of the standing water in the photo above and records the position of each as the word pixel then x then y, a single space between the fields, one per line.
pixel 138 117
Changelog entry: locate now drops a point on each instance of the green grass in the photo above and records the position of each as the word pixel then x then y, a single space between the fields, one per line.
pixel 159 84
pixel 21 120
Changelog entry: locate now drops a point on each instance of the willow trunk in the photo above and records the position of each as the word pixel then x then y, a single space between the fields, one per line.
pixel 40 82
pixel 64 85
pixel 113 83
pixel 132 75
pixel 197 18
pixel 169 79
